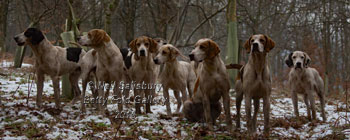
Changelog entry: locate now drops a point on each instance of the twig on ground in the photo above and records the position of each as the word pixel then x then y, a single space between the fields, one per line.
pixel 30 84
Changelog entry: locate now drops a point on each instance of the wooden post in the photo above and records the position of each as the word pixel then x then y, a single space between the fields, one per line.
pixel 20 51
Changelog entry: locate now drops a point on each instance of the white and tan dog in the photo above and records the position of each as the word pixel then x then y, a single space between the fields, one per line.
pixel 143 69
pixel 211 85
pixel 254 82
pixel 54 61
pixel 306 81
pixel 109 63
pixel 176 75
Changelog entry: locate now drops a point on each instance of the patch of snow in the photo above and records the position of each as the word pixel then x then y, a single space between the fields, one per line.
pixel 14 138
pixel 23 112
pixel 141 138
pixel 97 119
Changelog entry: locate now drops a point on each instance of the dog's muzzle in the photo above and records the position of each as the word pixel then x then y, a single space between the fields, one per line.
pixel 155 61
pixel 255 47
pixel 298 65
pixel 17 41
pixel 142 53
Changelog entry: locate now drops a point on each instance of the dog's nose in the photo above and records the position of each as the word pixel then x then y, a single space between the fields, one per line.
pixel 298 64
pixel 142 52
pixel 191 57
pixel 155 61
pixel 255 45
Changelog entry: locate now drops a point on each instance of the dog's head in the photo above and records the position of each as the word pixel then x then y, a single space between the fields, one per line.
pixel 204 49
pixel 166 53
pixel 94 38
pixel 160 41
pixel 259 43
pixel 32 36
pixel 298 60
pixel 143 46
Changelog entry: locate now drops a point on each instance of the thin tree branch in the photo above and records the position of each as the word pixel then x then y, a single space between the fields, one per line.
pixel 204 21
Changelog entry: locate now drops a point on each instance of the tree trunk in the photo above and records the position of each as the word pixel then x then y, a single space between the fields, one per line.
pixel 3 20
pixel 69 36
pixel 232 40
pixel 129 20
pixel 326 46
pixel 109 9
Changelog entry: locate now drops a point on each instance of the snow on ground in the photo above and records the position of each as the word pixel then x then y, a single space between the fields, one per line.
pixel 19 120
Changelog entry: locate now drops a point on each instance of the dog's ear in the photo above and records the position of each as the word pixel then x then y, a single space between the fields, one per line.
pixel 307 60
pixel 35 35
pixel 270 44
pixel 247 45
pixel 132 45
pixel 174 52
pixel 288 60
pixel 99 36
pixel 153 48
pixel 213 50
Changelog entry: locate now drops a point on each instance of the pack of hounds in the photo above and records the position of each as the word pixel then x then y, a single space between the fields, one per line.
pixel 203 75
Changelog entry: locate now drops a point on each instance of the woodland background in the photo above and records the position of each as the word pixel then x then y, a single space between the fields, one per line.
pixel 319 27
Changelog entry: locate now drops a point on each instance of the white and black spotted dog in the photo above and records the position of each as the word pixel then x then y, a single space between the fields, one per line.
pixel 53 61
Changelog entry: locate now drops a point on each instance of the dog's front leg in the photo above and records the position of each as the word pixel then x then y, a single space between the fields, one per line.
pixel 105 96
pixel 40 85
pixel 248 107
pixel 184 94
pixel 167 100
pixel 137 100
pixel 239 98
pixel 118 94
pixel 99 97
pixel 256 102
pixel 190 87
pixel 307 103
pixel 84 84
pixel 226 101
pixel 56 88
pixel 149 97
pixel 295 104
pixel 207 114
pixel 322 100
pixel 312 103
pixel 179 102
pixel 266 110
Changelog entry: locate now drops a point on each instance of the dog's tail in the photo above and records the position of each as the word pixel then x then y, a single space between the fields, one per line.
pixel 234 66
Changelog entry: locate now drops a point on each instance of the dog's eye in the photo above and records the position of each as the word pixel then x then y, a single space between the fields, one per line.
pixel 252 40
pixel 294 57
pixel 164 43
pixel 302 57
pixel 138 44
pixel 262 40
pixel 201 47
pixel 163 52
pixel 146 44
